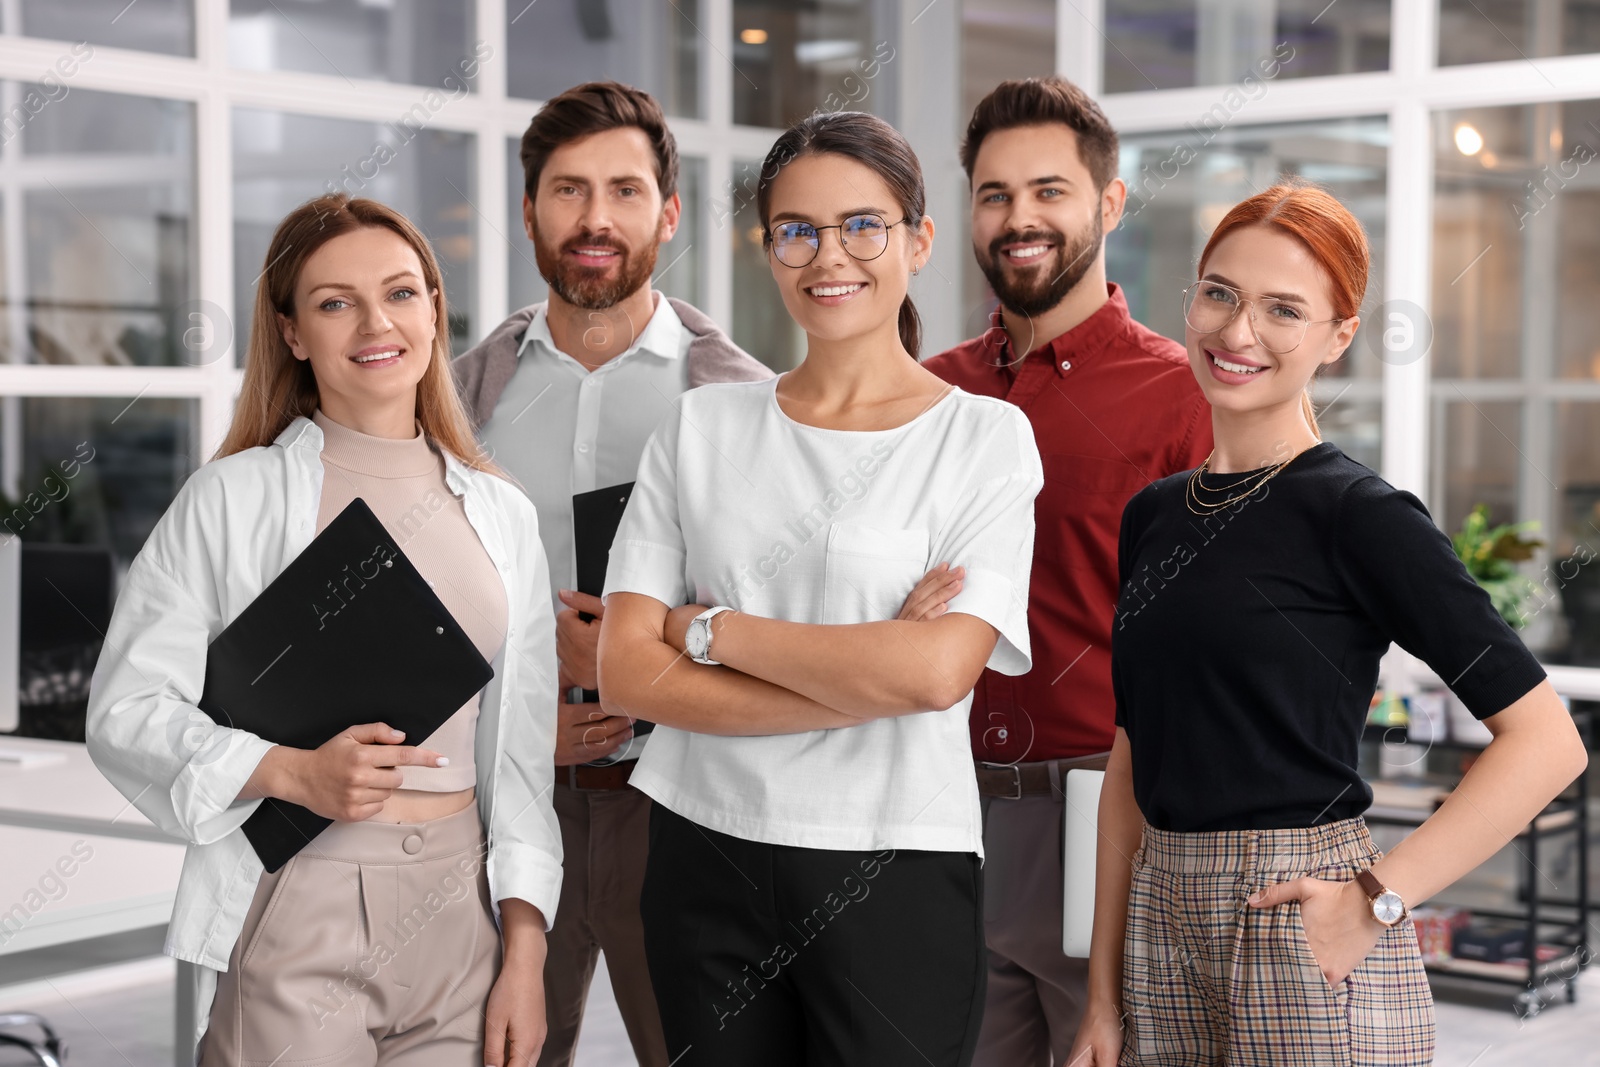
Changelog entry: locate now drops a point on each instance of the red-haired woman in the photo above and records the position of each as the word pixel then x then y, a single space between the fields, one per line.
pixel 1256 922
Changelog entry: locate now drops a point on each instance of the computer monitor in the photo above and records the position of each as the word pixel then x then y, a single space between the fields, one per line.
pixel 55 605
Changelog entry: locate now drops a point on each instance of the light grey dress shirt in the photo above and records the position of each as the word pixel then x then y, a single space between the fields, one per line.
pixel 562 429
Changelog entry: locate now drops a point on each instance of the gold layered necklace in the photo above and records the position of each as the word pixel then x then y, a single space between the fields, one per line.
pixel 1196 486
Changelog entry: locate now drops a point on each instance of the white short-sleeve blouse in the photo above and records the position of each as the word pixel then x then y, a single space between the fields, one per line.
pixel 738 504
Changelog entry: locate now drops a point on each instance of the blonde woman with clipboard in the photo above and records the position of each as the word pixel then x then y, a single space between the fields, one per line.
pixel 411 931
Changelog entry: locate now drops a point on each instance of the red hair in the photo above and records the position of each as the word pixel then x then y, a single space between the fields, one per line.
pixel 1327 229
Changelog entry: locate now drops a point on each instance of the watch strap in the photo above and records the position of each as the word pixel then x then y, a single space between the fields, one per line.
pixel 1370 884
pixel 1374 889
pixel 703 620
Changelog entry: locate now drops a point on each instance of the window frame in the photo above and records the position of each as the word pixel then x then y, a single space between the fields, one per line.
pixel 1409 93
pixel 928 38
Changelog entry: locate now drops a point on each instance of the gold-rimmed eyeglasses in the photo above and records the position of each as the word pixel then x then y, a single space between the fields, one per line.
pixel 1279 325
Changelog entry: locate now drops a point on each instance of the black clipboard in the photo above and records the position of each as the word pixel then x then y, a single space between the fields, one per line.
pixel 349 633
pixel 595 518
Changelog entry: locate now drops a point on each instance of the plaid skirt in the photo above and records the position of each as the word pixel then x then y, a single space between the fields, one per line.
pixel 1207 979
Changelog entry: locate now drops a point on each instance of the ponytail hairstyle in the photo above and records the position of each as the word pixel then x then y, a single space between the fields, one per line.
pixel 1328 230
pixel 874 144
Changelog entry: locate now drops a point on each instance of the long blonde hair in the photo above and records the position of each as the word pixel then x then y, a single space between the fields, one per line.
pixel 278 388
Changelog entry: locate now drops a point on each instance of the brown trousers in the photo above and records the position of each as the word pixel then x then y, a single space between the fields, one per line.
pixel 1036 992
pixel 605 837
pixel 374 946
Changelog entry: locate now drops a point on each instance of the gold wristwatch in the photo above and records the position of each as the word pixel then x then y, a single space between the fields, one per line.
pixel 1387 907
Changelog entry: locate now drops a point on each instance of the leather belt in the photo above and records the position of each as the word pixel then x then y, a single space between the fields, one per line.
pixel 582 776
pixel 1013 781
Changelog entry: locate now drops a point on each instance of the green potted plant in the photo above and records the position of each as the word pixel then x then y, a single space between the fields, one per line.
pixel 1491 555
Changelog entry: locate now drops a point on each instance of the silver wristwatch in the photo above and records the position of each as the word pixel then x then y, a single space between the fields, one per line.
pixel 697 642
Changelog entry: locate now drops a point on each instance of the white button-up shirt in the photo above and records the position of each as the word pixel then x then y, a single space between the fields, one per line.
pixel 234 526
pixel 561 429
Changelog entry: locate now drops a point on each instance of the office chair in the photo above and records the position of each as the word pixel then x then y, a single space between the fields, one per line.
pixel 49 1053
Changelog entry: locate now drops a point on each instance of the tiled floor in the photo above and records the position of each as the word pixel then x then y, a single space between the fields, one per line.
pixel 1480 1032
pixel 122 1017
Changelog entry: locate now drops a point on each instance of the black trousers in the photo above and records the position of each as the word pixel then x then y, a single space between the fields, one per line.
pixel 779 956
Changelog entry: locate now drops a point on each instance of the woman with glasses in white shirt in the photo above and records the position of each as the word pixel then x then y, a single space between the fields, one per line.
pixel 814 882
pixel 377 944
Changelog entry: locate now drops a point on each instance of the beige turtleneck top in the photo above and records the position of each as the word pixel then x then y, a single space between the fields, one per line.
pixel 402 481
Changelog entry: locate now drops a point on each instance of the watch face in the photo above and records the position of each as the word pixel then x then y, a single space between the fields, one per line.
pixel 695 640
pixel 1388 908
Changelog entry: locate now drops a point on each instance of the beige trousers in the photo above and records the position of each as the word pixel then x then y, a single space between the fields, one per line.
pixel 374 946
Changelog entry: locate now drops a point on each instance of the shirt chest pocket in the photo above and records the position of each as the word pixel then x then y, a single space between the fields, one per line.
pixel 870 570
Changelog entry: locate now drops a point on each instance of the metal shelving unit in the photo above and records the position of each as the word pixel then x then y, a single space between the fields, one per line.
pixel 1550 920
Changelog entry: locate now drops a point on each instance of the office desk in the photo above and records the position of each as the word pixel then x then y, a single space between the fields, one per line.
pixel 73 799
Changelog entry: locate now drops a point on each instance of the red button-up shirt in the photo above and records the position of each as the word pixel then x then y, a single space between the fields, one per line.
pixel 1114 406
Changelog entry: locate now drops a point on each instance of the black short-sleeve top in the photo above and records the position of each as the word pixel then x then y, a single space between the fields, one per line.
pixel 1246 643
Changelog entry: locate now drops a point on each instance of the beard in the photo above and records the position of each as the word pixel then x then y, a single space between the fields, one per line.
pixel 1039 287
pixel 587 287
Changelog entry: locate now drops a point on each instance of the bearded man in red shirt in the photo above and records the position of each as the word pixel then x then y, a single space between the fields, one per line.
pixel 1114 406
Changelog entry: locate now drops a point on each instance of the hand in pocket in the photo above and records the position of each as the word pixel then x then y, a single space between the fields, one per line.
pixel 1337 917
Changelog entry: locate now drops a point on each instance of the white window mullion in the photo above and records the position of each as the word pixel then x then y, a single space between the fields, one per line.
pixel 1408 270
pixel 1408 266
pixel 53 379
pixel 1080 43
pixel 116 70
pixel 716 63
pixel 213 178
pixel 716 76
pixel 1287 99
pixel 494 283
pixel 718 230
pixel 489 27
pixel 930 119
pixel 1408 279
pixel 15 293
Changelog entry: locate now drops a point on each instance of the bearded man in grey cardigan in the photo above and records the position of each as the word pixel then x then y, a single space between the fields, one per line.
pixel 565 394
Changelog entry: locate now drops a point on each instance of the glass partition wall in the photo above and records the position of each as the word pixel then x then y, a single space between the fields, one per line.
pixel 147 151
pixel 1462 135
